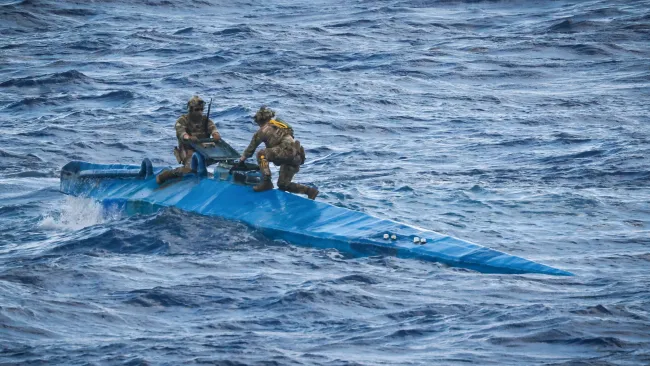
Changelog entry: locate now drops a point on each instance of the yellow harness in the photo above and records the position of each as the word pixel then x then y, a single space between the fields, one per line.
pixel 279 124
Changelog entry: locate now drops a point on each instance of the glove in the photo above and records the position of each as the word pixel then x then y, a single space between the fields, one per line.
pixel 216 136
pixel 238 166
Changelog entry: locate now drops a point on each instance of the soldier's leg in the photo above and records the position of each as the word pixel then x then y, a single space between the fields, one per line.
pixel 287 172
pixel 187 158
pixel 167 174
pixel 263 162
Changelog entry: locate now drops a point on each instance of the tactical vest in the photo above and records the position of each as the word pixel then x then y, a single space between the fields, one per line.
pixel 282 127
pixel 195 128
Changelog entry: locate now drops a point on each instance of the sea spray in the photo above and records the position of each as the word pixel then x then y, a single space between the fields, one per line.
pixel 76 213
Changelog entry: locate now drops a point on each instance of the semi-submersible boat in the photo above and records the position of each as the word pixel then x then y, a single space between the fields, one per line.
pixel 227 193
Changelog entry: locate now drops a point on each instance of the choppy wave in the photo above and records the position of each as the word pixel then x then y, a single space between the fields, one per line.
pixel 521 126
pixel 76 213
pixel 71 76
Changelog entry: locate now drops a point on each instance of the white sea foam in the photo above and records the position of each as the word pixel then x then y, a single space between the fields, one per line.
pixel 76 213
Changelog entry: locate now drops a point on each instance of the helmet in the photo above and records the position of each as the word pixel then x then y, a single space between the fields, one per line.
pixel 264 114
pixel 195 102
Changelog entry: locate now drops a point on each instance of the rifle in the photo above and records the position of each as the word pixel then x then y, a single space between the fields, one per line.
pixel 207 118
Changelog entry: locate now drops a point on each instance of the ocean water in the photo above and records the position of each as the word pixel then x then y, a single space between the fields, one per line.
pixel 519 125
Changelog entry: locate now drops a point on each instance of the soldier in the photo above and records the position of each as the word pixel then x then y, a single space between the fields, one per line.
pixel 189 127
pixel 281 149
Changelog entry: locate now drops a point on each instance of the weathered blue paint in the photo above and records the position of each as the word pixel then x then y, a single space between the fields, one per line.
pixel 284 216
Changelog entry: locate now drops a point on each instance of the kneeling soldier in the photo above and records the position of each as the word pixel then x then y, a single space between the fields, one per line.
pixel 281 149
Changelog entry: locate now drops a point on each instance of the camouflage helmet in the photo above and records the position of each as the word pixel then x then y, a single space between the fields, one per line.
pixel 264 114
pixel 195 101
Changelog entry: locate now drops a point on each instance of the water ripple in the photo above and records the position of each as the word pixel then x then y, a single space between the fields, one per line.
pixel 520 126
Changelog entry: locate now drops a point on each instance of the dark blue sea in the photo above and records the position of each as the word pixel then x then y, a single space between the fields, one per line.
pixel 523 126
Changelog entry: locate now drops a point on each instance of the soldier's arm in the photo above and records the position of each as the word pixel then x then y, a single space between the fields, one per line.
pixel 212 130
pixel 180 126
pixel 255 142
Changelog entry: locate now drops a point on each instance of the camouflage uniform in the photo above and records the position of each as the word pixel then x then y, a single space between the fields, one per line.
pixel 185 125
pixel 281 149
pixel 194 127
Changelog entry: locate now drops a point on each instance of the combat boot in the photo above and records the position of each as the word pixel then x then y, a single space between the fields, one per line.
pixel 312 193
pixel 164 176
pixel 303 189
pixel 265 185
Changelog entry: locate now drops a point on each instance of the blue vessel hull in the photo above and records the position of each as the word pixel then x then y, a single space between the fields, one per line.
pixel 284 216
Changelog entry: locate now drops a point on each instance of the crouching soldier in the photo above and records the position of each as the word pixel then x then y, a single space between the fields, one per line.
pixel 190 127
pixel 281 149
